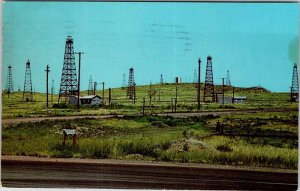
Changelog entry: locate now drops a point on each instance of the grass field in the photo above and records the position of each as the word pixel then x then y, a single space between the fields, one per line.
pixel 163 139
pixel 257 98
pixel 265 139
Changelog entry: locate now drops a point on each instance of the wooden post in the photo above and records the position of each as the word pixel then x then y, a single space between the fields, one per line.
pixel 176 98
pixel 95 86
pixel 143 106
pixel 223 101
pixel 103 93
pixel 109 96
pixel 79 64
pixel 74 141
pixel 65 138
pixel 233 95
pixel 47 74
pixel 198 87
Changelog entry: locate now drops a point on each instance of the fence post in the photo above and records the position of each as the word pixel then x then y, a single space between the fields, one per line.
pixel 143 106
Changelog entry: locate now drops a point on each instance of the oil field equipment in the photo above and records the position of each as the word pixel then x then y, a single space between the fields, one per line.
pixel 27 93
pixel 68 84
pixel 209 81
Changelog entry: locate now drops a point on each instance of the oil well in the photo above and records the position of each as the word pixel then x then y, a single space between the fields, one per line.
pixel 68 84
pixel 27 92
pixel 131 92
pixel 294 97
pixel 209 90
pixel 9 82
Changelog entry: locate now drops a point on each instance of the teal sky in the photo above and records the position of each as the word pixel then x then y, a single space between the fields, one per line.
pixel 256 42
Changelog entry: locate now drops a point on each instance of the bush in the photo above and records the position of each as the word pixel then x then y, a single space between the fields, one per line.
pixel 159 124
pixel 224 148
pixel 60 105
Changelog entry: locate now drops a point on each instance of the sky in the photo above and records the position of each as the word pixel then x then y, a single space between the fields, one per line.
pixel 257 42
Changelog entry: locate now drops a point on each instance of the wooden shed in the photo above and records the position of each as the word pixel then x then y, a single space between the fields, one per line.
pixel 86 100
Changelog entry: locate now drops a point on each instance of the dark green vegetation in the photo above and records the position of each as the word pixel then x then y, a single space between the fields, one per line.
pixel 257 98
pixel 257 139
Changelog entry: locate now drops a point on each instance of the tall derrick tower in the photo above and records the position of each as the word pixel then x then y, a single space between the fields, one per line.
pixel 131 94
pixel 124 82
pixel 228 83
pixel 27 93
pixel 209 90
pixel 68 84
pixel 9 82
pixel 295 85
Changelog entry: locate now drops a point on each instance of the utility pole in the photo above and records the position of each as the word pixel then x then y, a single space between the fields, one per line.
pixel 223 90
pixel 95 87
pixel 47 74
pixel 52 91
pixel 176 98
pixel 134 95
pixel 198 87
pixel 172 104
pixel 79 53
pixel 103 92
pixel 109 96
pixel 150 95
pixel 232 94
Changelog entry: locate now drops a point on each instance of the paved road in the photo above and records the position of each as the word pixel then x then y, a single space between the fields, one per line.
pixel 72 173
pixel 37 119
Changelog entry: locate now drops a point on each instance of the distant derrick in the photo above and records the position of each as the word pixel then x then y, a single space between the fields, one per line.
pixel 228 83
pixel 9 82
pixel 90 89
pixel 68 84
pixel 27 93
pixel 209 81
pixel 131 94
pixel 295 85
pixel 161 79
pixel 123 82
pixel 195 76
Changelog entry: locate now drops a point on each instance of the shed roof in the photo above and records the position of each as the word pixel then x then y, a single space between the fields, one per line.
pixel 87 97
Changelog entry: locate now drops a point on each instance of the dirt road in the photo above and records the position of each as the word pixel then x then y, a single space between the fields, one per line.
pixel 37 119
pixel 88 173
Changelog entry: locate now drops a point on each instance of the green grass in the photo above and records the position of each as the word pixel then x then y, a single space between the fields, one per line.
pixel 145 138
pixel 257 98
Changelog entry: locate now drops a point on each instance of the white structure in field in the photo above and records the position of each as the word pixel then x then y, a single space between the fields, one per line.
pixel 228 99
pixel 85 100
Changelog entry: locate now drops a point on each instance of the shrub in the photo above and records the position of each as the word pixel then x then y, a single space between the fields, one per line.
pixel 224 148
pixel 159 124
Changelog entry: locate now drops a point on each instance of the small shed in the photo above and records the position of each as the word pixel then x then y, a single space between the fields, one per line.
pixel 239 99
pixel 229 99
pixel 86 100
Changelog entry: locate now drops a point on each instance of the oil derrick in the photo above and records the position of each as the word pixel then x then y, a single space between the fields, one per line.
pixel 90 90
pixel 295 85
pixel 124 82
pixel 228 83
pixel 161 79
pixel 131 85
pixel 68 84
pixel 27 93
pixel 195 76
pixel 9 82
pixel 209 81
